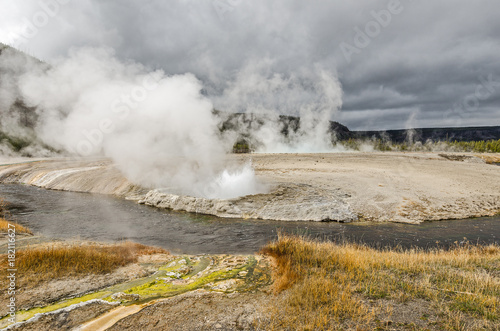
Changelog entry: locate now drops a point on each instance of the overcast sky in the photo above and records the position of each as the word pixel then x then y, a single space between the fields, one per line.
pixel 401 63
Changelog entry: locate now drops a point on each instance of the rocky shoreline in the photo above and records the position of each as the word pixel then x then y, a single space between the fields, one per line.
pixel 287 202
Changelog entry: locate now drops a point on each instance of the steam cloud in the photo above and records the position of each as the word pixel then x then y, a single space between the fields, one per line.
pixel 314 94
pixel 16 121
pixel 161 130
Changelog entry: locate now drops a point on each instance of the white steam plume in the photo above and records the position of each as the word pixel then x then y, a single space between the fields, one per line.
pixel 16 120
pixel 314 94
pixel 159 129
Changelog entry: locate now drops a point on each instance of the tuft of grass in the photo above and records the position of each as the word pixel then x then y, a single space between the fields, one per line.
pixel 3 210
pixel 39 264
pixel 490 159
pixel 4 226
pixel 331 286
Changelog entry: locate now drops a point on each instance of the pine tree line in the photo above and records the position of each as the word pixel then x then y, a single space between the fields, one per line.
pixel 481 146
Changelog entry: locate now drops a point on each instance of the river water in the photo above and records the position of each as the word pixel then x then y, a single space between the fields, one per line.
pixel 98 217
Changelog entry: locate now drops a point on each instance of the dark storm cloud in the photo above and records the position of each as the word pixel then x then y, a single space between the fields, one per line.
pixel 426 64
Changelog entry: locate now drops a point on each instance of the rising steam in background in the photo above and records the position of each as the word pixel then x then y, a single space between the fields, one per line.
pixel 313 94
pixel 17 135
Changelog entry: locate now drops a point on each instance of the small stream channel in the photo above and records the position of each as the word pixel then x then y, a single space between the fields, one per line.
pixel 98 217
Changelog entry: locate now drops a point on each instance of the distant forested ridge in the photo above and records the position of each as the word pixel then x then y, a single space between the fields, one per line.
pixel 434 134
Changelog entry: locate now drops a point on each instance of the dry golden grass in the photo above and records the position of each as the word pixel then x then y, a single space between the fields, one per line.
pixel 332 286
pixel 4 226
pixel 488 158
pixel 3 210
pixel 39 264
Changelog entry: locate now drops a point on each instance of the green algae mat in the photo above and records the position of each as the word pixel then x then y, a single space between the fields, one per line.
pixel 221 273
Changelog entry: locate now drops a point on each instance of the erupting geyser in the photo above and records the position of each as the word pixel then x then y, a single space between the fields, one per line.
pixel 234 183
pixel 158 129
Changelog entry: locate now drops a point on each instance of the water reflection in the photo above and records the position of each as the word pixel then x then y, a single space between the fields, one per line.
pixel 98 217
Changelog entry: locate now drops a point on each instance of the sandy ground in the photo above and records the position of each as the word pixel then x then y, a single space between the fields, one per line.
pixel 66 320
pixel 401 187
pixel 376 186
pixel 199 310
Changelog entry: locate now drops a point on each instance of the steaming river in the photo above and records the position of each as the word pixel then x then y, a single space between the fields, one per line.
pixel 59 214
